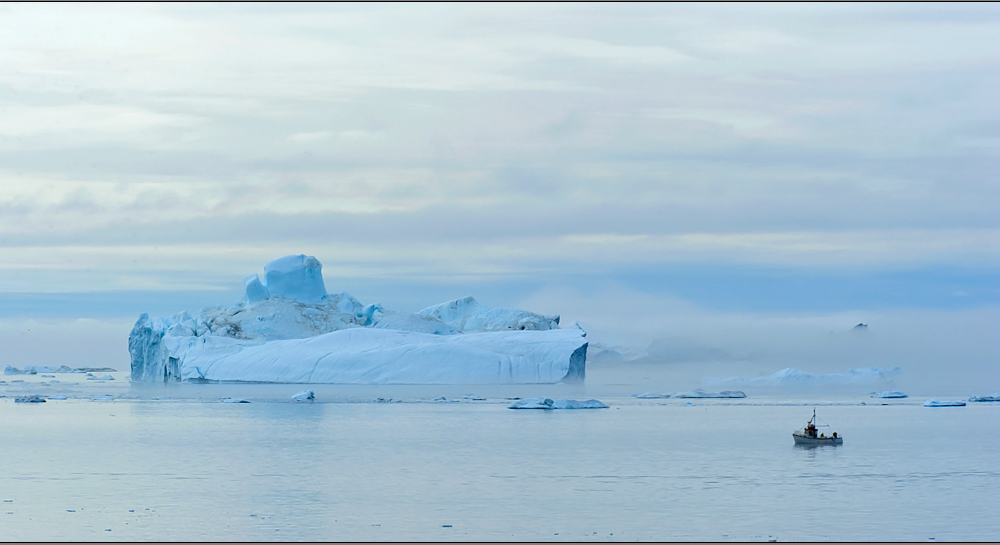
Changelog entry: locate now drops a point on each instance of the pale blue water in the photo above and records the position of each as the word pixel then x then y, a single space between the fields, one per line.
pixel 346 468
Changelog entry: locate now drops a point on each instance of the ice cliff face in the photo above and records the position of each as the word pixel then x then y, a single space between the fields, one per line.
pixel 288 329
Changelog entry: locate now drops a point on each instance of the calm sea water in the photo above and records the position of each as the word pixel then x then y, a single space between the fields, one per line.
pixel 187 467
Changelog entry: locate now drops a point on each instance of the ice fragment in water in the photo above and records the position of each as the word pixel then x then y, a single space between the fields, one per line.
pixel 306 395
pixel 938 403
pixel 548 404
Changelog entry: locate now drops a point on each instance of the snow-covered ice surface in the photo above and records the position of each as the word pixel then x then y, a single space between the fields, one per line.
pixel 468 469
pixel 287 329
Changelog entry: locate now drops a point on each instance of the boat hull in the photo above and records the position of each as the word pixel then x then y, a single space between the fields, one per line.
pixel 806 440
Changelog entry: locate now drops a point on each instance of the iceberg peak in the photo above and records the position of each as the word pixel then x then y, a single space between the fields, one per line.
pixel 297 277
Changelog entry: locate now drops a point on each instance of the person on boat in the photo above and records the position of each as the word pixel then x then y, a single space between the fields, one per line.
pixel 834 435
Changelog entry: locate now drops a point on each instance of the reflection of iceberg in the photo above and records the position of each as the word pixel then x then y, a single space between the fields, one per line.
pixel 937 403
pixel 288 329
pixel 794 377
pixel 695 394
pixel 547 404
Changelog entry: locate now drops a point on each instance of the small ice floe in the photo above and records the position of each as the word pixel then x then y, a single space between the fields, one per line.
pixel 102 398
pixel 689 404
pixel 233 400
pixel 58 398
pixel 985 399
pixel 694 394
pixel 47 376
pixel 938 403
pixel 473 397
pixel 29 399
pixel 387 400
pixel 90 376
pixel 305 395
pixel 890 395
pixel 546 403
pixel 443 399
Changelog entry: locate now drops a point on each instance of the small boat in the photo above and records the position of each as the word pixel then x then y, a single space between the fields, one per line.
pixel 809 436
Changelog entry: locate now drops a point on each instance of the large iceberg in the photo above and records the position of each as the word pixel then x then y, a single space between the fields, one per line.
pixel 289 329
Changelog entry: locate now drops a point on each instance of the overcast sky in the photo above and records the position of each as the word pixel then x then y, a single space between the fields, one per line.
pixel 807 160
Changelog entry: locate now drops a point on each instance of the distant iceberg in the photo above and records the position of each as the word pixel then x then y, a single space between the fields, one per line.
pixel 985 399
pixel 890 395
pixel 36 369
pixel 937 403
pixel 793 377
pixel 288 329
pixel 695 394
pixel 548 404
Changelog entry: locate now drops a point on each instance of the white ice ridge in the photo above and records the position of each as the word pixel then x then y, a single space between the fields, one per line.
pixel 890 394
pixel 794 377
pixel 694 394
pixel 288 329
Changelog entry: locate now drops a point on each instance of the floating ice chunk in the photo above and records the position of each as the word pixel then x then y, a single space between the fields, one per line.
pixel 574 404
pixel 233 400
pixel 29 399
pixel 305 395
pixel 60 398
pixel 938 403
pixel 443 399
pixel 9 370
pixel 982 399
pixel 689 404
pixel 102 398
pixel 102 377
pixel 47 376
pixel 473 397
pixel 548 404
pixel 890 394
pixel 297 277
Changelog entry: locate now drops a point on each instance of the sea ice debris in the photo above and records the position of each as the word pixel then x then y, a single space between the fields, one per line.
pixel 29 399
pixel 233 400
pixel 982 399
pixel 305 395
